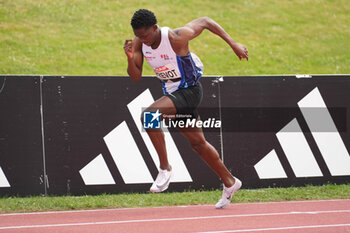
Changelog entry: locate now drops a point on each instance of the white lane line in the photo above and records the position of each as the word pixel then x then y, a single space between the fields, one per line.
pixel 170 219
pixel 161 207
pixel 280 228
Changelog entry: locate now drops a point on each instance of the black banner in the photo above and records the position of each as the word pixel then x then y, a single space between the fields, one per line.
pixel 275 131
pixel 291 155
pixel 80 111
pixel 21 159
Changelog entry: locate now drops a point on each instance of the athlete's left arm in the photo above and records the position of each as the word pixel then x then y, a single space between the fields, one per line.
pixel 195 28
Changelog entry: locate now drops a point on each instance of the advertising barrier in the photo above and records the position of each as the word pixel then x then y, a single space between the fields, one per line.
pixel 84 135
pixel 21 158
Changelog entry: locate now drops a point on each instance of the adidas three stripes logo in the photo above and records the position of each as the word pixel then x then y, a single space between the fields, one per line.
pixel 297 149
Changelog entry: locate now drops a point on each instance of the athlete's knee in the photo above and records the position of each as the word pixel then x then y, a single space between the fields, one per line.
pixel 198 144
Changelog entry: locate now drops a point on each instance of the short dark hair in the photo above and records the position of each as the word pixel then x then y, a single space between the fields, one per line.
pixel 143 18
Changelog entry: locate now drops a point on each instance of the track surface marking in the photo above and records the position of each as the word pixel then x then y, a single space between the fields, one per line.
pixel 305 216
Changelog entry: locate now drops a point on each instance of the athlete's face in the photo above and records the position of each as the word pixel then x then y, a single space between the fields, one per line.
pixel 147 35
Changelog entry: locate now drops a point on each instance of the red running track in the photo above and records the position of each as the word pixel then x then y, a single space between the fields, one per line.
pixel 303 216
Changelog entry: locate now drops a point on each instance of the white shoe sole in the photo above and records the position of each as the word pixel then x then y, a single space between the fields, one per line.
pixel 160 189
pixel 236 187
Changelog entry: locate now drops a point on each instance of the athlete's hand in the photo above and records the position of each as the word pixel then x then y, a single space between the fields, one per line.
pixel 241 51
pixel 129 48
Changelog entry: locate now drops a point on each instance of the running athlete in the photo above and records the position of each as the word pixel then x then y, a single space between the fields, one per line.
pixel 179 70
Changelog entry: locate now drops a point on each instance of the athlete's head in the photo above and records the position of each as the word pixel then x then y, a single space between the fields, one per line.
pixel 144 24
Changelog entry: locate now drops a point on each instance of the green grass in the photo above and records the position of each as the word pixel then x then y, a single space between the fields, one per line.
pixel 85 37
pixel 37 203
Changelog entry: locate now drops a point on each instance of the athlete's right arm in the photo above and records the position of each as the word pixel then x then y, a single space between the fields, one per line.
pixel 133 52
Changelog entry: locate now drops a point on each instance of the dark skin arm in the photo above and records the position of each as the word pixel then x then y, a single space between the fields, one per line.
pixel 180 37
pixel 134 54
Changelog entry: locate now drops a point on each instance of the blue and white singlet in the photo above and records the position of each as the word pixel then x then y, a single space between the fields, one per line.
pixel 175 72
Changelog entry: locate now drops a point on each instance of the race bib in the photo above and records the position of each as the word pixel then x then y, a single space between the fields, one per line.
pixel 167 72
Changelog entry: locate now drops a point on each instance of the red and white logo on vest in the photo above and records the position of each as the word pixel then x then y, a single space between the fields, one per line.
pixel 164 56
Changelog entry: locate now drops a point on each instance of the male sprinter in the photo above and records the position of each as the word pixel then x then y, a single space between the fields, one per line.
pixel 167 50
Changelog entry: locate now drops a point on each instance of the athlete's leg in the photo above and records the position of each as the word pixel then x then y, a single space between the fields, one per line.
pixel 208 153
pixel 166 106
